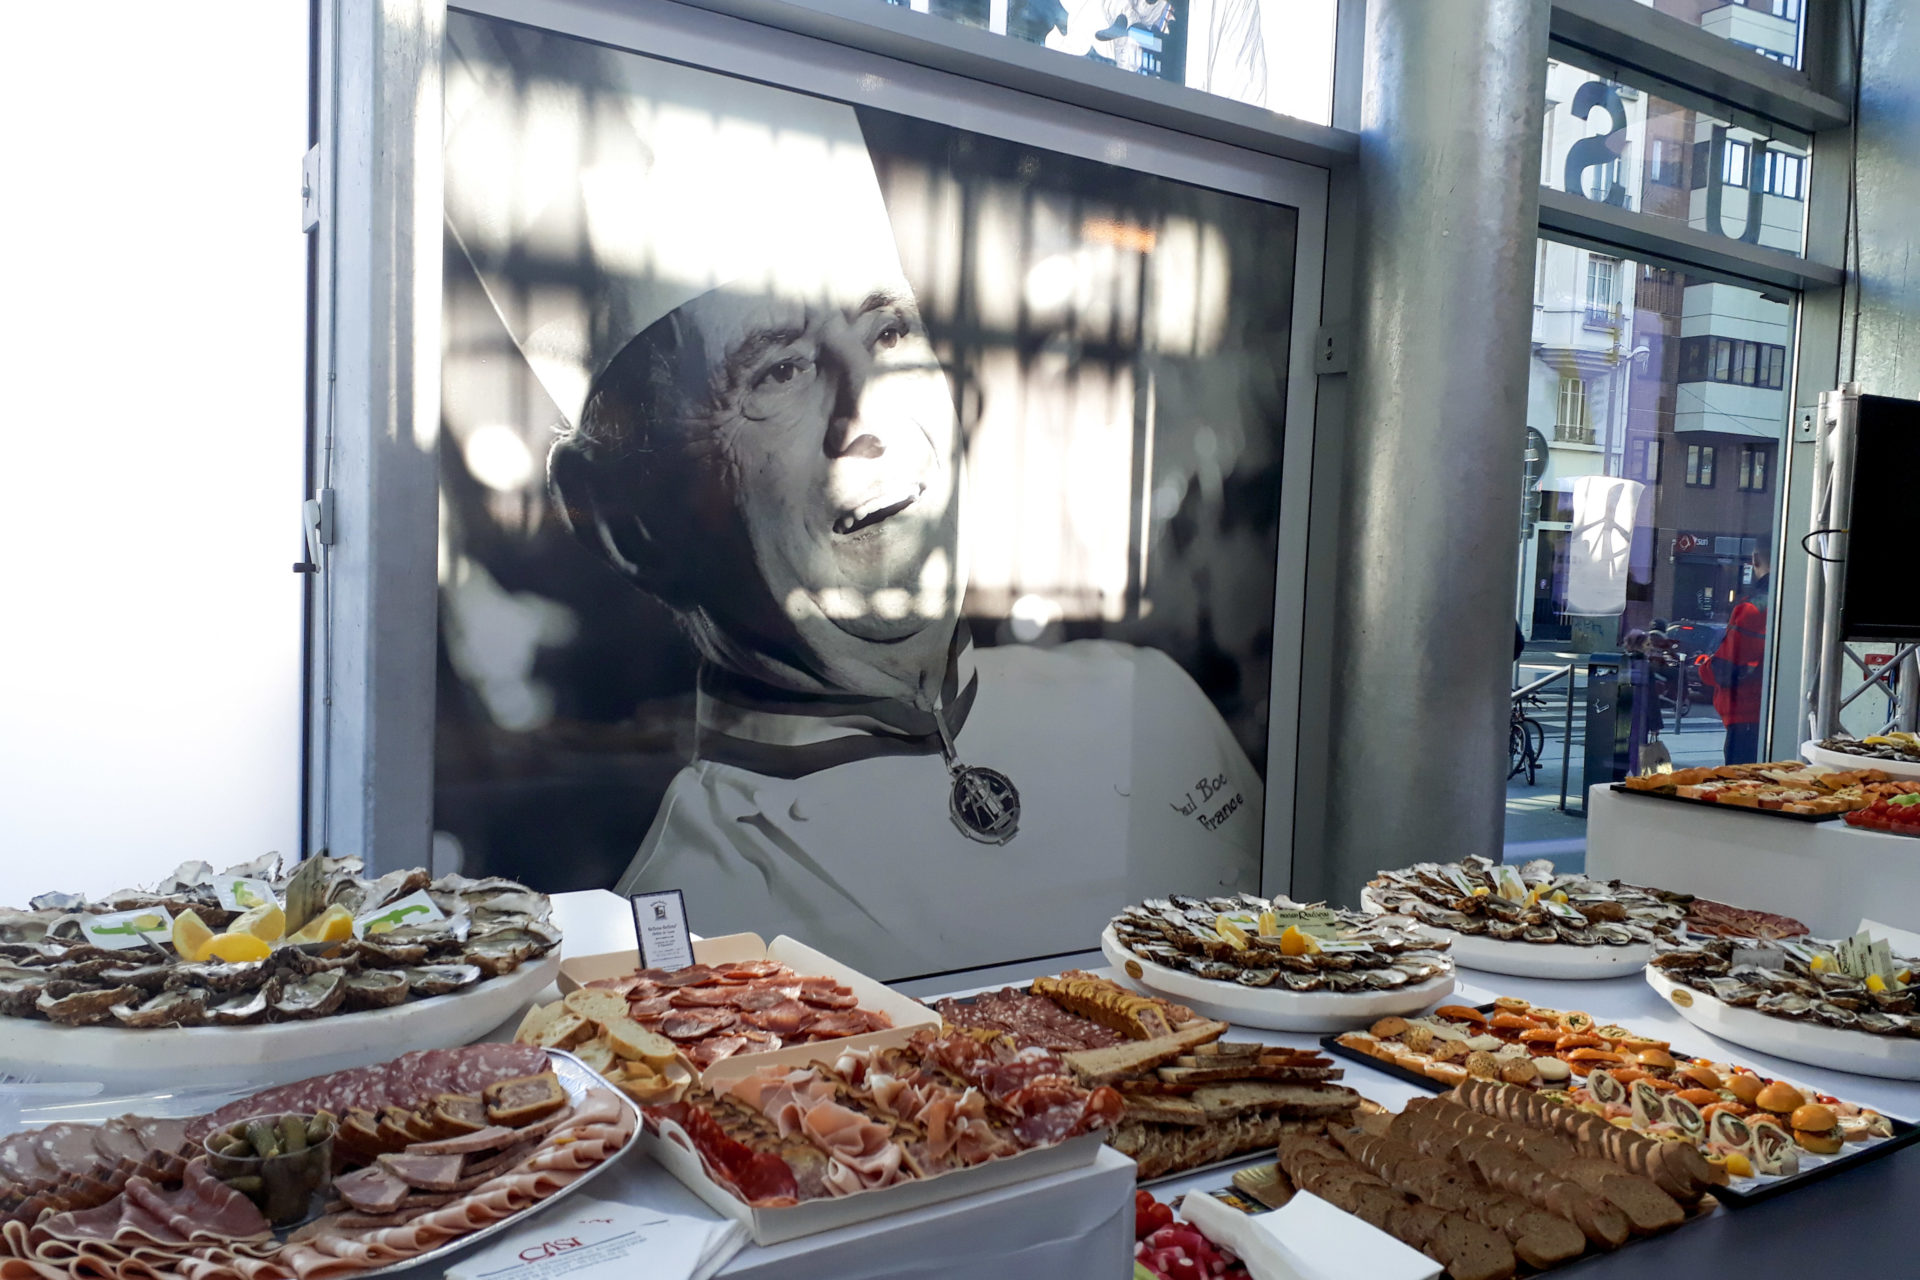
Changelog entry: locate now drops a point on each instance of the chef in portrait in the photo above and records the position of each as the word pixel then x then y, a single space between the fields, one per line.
pixel 702 274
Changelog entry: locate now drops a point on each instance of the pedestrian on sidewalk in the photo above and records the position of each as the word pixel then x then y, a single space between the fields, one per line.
pixel 1733 671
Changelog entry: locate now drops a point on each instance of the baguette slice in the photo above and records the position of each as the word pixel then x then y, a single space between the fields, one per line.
pixel 635 1043
pixel 597 1004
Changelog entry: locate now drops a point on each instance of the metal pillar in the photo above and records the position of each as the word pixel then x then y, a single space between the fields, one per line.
pixel 376 360
pixel 1452 111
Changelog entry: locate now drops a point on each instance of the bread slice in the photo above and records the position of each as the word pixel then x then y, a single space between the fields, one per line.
pixel 563 1032
pixel 597 1004
pixel 1248 1070
pixel 1104 1066
pixel 596 1053
pixel 536 1021
pixel 1218 1101
pixel 635 1043
pixel 1162 1110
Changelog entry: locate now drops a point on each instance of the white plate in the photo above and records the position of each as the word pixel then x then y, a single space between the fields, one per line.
pixel 1890 1057
pixel 1529 959
pixel 267 1053
pixel 1272 1007
pixel 1814 753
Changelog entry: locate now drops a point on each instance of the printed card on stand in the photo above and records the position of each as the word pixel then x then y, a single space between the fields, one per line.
pixel 660 928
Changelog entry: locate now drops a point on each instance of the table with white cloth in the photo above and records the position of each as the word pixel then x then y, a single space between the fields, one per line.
pixel 1826 874
pixel 1079 1223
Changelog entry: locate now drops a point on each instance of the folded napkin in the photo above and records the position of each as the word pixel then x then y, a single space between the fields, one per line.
pixel 1307 1239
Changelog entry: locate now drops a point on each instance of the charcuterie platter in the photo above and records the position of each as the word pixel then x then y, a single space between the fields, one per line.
pixel 357 1173
pixel 250 976
pixel 1277 963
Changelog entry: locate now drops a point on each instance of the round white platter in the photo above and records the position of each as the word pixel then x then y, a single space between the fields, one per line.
pixel 1814 753
pixel 1530 959
pixel 1890 1057
pixel 260 1054
pixel 1271 1007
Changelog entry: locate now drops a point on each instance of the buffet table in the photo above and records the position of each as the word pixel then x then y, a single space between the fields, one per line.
pixel 1080 1223
pixel 1827 874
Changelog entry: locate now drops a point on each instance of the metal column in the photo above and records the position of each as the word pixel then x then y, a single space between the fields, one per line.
pixel 1452 112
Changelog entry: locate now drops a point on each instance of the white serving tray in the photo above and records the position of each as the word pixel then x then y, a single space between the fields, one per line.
pixel 1529 959
pixel 1814 753
pixel 1890 1057
pixel 668 1144
pixel 908 1014
pixel 261 1054
pixel 1272 1007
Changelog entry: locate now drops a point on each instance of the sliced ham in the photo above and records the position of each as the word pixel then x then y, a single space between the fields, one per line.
pixel 758 997
pixel 829 999
pixel 691 976
pixel 653 1007
pixel 714 1048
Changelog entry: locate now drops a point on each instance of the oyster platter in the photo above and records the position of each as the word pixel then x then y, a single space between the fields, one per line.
pixel 1849 1005
pixel 1277 963
pixel 259 969
pixel 1529 921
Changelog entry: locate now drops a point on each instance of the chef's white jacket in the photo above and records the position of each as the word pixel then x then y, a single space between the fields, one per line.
pixel 1130 784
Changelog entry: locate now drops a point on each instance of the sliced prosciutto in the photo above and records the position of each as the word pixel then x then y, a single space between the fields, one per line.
pixel 693 1024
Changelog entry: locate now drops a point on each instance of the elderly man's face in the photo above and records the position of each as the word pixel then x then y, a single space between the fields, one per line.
pixel 838 425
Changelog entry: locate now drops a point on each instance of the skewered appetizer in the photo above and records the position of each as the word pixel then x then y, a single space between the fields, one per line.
pixel 1530 903
pixel 199 949
pixel 1280 943
pixel 1811 987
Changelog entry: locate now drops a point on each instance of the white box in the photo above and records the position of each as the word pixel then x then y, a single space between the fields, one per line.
pixel 908 1015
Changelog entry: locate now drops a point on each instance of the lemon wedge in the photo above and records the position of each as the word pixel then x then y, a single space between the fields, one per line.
pixel 335 924
pixel 236 948
pixel 1738 1165
pixel 1269 924
pixel 1295 943
pixel 1876 983
pixel 1236 936
pixel 1819 962
pixel 266 922
pixel 190 936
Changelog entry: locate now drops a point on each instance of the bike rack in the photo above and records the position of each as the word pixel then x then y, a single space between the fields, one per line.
pixel 1566 731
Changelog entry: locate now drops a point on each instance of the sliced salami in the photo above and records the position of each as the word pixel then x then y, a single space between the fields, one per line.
pixel 692 1024
pixel 786 1019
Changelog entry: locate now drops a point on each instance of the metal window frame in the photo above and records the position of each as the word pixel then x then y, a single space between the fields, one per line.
pixel 370 774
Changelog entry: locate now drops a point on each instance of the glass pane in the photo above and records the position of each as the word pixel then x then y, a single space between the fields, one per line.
pixel 1769 28
pixel 1645 535
pixel 798 557
pixel 1268 53
pixel 1618 145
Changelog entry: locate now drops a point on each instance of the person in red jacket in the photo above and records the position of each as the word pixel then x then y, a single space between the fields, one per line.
pixel 1733 671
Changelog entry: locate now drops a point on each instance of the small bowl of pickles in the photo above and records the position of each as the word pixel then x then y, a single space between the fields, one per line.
pixel 280 1162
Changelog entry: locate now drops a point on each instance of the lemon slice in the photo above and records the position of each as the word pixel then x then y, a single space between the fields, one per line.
pixel 190 936
pixel 335 924
pixel 236 948
pixel 1235 936
pixel 266 922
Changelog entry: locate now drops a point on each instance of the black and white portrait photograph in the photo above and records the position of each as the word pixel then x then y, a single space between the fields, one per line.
pixel 862 525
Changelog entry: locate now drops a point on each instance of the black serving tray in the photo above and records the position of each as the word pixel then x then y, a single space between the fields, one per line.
pixel 1728 808
pixel 1905 1133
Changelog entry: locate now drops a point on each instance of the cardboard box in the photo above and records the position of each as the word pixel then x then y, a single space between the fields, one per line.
pixel 908 1015
pixel 670 1146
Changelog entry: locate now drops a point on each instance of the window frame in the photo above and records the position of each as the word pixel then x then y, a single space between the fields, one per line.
pixel 1700 460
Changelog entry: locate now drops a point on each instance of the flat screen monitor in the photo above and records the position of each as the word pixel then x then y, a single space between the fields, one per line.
pixel 1879 602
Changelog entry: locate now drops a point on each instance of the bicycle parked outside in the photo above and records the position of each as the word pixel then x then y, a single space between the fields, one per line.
pixel 1526 739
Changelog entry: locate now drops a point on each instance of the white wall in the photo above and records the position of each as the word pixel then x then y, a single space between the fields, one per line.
pixel 151 437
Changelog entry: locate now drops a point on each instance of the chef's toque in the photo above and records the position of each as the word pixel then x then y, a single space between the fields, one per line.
pixel 595 191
